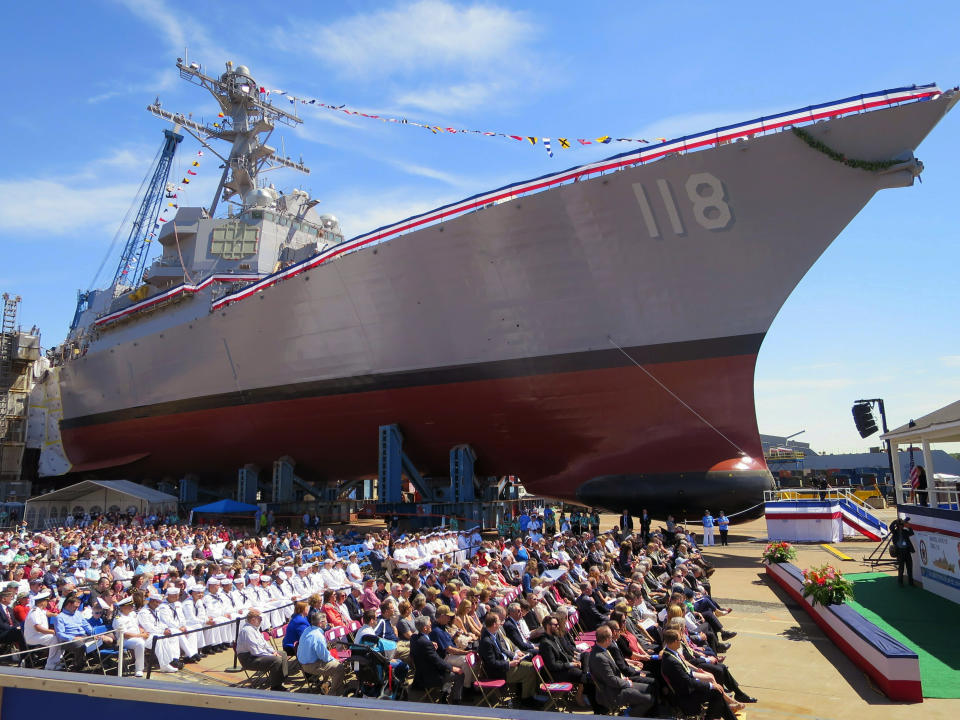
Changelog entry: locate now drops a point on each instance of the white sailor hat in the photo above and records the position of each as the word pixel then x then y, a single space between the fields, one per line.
pixel 173 590
pixel 238 580
pixel 213 581
pixel 303 568
pixel 220 576
pixel 265 577
pixel 126 601
pixel 42 595
pixel 154 595
pixel 197 588
pixel 281 575
pixel 328 561
pixel 254 576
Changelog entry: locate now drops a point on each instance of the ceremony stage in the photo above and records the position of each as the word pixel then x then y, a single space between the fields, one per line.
pixel 924 622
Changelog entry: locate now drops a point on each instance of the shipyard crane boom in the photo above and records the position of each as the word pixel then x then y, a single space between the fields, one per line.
pixel 130 269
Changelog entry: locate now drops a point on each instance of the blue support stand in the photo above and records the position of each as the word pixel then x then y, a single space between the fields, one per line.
pixel 390 469
pixel 462 459
pixel 393 464
pixel 188 489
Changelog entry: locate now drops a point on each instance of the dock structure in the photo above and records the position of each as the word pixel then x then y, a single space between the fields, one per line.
pixel 19 354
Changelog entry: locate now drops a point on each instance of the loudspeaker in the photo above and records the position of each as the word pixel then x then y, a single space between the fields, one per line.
pixel 863 418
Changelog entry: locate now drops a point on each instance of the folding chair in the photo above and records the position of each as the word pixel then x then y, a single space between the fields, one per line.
pixel 558 693
pixel 488 688
pixel 253 678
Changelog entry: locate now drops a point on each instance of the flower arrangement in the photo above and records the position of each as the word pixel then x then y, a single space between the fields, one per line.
pixel 826 586
pixel 778 552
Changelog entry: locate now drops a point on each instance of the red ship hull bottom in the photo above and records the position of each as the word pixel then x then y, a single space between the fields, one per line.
pixel 612 437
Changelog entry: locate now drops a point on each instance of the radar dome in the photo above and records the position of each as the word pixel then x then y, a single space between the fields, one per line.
pixel 330 221
pixel 243 70
pixel 258 197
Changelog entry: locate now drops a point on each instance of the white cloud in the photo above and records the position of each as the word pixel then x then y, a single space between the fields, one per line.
pixel 428 172
pixel 93 198
pixel 472 53
pixel 422 35
pixel 164 20
pixel 676 126
pixel 358 215
pixel 950 360
pixel 450 99
pixel 43 207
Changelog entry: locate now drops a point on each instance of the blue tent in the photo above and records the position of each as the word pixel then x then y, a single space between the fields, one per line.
pixel 226 507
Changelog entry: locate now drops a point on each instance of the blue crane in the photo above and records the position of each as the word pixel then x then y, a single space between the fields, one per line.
pixel 130 269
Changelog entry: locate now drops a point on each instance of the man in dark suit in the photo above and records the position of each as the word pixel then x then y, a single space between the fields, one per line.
pixel 626 522
pixel 614 690
pixel 590 617
pixel 560 663
pixel 645 526
pixel 692 688
pixel 353 603
pixel 498 664
pixel 431 670
pixel 511 628
pixel 10 631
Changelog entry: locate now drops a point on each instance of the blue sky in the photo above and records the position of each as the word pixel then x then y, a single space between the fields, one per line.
pixel 876 316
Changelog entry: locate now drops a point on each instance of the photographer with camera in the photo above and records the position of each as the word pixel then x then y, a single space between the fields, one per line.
pixel 902 547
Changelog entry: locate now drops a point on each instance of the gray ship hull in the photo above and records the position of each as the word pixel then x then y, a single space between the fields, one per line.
pixel 519 328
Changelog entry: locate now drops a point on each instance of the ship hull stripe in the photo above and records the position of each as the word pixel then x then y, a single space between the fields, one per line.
pixel 869 101
pixel 775 122
pixel 565 434
pixel 500 369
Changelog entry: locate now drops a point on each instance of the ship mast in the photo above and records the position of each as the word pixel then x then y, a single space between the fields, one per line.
pixel 246 117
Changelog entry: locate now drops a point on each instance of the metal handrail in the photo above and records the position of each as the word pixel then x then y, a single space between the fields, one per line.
pixel 934 496
pixel 814 494
pixel 232 621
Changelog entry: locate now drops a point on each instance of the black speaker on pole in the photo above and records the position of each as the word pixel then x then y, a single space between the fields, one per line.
pixel 863 418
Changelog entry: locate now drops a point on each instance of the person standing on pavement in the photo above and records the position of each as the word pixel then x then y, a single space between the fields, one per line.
pixel 707 528
pixel 645 525
pixel 723 524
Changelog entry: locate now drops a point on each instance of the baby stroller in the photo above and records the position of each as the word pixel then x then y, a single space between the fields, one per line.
pixel 376 676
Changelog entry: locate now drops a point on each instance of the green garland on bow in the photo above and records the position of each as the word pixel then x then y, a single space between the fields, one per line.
pixel 869 165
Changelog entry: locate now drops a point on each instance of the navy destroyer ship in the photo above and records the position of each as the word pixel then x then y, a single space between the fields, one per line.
pixel 593 331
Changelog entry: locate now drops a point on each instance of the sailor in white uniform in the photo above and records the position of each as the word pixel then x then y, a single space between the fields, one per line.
pixel 282 583
pixel 196 613
pixel 240 601
pixel 37 630
pixel 251 592
pixel 171 614
pixel 299 583
pixel 273 617
pixel 217 612
pixel 354 576
pixel 125 623
pixel 167 651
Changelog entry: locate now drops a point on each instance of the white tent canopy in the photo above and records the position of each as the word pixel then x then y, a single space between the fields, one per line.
pixel 940 426
pixel 96 497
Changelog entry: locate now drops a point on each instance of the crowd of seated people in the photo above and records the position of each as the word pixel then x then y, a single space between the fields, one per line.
pixel 610 621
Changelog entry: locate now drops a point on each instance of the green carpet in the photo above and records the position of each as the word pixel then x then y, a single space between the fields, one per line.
pixel 924 622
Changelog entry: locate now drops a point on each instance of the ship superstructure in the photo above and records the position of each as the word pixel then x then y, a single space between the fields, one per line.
pixel 593 331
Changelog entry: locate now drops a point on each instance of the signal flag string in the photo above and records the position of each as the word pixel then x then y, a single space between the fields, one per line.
pixel 564 143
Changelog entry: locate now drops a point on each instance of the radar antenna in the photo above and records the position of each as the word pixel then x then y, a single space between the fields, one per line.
pixel 245 117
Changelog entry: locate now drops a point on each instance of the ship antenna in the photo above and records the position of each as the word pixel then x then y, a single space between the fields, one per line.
pixel 678 398
pixel 245 118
